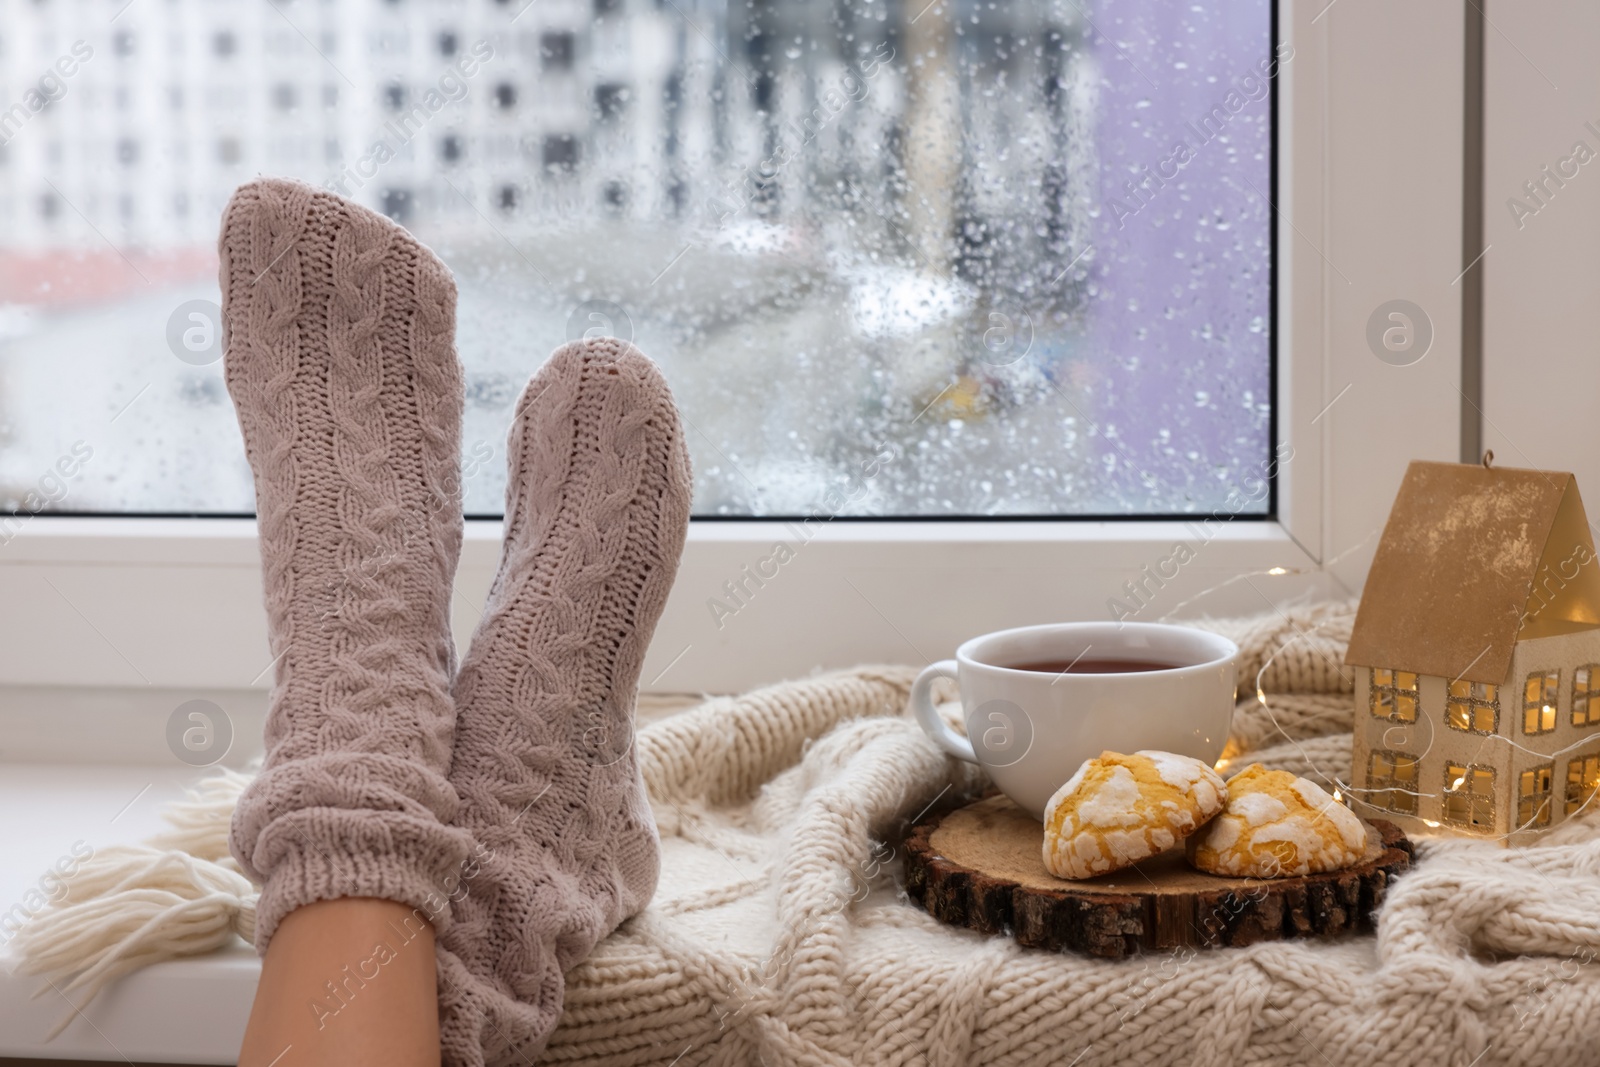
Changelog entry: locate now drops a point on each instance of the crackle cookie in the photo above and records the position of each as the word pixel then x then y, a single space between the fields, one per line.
pixel 1119 809
pixel 1276 825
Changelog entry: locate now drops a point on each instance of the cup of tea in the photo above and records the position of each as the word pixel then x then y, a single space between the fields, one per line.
pixel 1039 700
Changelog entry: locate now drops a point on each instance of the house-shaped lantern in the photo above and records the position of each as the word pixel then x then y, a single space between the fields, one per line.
pixel 1477 656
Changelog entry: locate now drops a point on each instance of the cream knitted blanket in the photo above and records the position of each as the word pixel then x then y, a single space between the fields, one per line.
pixel 778 935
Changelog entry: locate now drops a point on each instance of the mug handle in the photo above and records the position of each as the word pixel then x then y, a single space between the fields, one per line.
pixel 928 716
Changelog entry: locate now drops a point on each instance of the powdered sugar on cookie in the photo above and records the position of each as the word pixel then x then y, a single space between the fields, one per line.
pixel 1119 809
pixel 1277 825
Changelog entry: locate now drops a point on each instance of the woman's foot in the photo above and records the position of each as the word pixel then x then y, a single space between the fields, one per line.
pixel 341 364
pixel 597 508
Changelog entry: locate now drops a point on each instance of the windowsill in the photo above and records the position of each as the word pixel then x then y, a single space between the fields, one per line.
pixel 141 605
pixel 186 1011
pixel 232 542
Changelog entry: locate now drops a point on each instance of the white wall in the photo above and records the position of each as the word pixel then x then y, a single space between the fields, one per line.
pixel 1393 232
pixel 1541 385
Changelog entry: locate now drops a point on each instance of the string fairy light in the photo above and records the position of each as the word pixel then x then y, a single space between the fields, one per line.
pixel 1342 788
pixel 1271 572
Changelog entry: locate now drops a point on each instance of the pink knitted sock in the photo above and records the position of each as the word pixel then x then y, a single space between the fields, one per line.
pixel 342 368
pixel 597 507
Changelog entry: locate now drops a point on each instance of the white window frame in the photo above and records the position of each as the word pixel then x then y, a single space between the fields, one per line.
pixel 142 607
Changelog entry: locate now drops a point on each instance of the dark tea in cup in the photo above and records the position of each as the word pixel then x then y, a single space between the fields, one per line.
pixel 1085 665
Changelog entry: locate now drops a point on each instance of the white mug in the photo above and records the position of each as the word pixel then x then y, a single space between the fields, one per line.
pixel 1031 730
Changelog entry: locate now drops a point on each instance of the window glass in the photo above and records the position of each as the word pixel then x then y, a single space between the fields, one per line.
pixel 1539 697
pixel 1395 695
pixel 1533 797
pixel 1473 706
pixel 1583 778
pixel 896 259
pixel 1586 695
pixel 1392 781
pixel 1469 796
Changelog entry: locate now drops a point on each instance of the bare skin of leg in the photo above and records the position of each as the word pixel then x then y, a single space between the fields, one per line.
pixel 348 982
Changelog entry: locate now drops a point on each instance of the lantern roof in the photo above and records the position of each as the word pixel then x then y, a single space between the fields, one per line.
pixel 1474 559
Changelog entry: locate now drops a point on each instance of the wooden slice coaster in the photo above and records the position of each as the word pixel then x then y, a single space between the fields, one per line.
pixel 980 867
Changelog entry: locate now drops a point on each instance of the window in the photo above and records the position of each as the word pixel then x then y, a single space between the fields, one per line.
pixel 560 152
pixel 556 51
pixel 1586 695
pixel 1469 796
pixel 609 100
pixel 1394 694
pixel 397 204
pixel 1473 706
pixel 1020 303
pixel 1583 779
pixel 1392 781
pixel 833 394
pixel 1539 696
pixel 1533 797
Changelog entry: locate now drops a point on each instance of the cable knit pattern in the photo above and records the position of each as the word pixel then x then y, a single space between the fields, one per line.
pixel 341 364
pixel 778 935
pixel 597 508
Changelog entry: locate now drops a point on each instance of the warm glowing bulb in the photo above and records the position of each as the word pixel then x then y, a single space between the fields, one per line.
pixel 1279 570
pixel 1430 822
pixel 1338 797
pixel 1457 783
